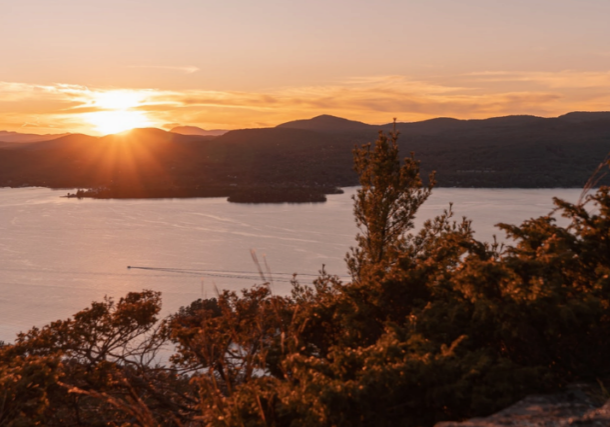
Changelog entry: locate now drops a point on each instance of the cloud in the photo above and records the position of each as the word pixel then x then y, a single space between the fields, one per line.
pixel 373 99
pixel 568 79
pixel 34 124
pixel 186 70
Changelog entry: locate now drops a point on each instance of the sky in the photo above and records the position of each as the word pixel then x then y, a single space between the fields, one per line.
pixel 100 67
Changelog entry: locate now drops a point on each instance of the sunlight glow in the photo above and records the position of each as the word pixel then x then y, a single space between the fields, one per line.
pixel 117 111
pixel 107 122
pixel 117 99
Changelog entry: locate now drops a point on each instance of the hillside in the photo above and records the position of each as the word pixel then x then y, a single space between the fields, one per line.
pixel 16 137
pixel 514 151
pixel 327 123
pixel 194 130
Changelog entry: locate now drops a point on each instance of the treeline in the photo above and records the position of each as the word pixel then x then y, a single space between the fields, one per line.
pixel 434 325
pixel 243 194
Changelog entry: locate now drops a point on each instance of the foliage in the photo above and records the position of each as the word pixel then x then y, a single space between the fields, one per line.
pixel 96 368
pixel 434 325
pixel 386 203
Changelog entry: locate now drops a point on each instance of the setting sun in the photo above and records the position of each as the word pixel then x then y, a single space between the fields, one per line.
pixel 118 100
pixel 117 114
pixel 107 122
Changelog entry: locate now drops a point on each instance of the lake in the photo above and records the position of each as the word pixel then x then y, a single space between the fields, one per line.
pixel 58 254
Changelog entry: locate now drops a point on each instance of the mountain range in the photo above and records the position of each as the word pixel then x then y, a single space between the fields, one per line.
pixel 9 138
pixel 194 130
pixel 311 157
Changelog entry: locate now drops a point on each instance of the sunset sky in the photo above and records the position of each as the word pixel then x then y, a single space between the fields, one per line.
pixel 104 66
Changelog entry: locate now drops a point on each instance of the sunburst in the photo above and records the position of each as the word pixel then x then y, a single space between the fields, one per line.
pixel 117 112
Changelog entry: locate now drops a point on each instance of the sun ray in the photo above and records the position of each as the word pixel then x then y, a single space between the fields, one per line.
pixel 116 111
pixel 107 122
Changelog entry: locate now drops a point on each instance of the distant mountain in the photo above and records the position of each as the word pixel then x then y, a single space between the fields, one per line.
pixel 15 137
pixel 326 123
pixel 75 140
pixel 194 130
pixel 515 120
pixel 425 127
pixel 140 157
pixel 512 151
pixel 146 136
pixel 4 145
pixel 583 116
pixel 443 125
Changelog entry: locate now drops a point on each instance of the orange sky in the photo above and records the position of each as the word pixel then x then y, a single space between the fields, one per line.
pixel 103 66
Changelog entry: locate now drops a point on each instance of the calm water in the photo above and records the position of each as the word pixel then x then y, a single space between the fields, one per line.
pixel 57 254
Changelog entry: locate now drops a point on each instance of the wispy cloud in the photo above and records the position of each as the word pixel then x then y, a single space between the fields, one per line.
pixel 186 70
pixel 373 99
pixel 568 79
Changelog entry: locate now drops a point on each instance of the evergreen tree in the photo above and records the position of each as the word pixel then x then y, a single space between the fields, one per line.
pixel 386 203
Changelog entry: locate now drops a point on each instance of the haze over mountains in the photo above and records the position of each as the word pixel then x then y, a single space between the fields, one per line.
pixel 513 151
pixel 194 130
pixel 328 123
pixel 18 138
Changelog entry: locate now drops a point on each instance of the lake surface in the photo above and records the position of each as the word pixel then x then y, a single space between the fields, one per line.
pixel 57 254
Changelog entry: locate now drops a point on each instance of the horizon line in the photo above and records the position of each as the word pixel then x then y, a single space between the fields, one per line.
pixel 297 120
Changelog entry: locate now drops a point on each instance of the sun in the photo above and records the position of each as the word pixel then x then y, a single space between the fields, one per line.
pixel 116 111
pixel 117 99
pixel 107 122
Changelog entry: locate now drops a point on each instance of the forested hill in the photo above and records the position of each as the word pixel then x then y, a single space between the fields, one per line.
pixel 514 151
